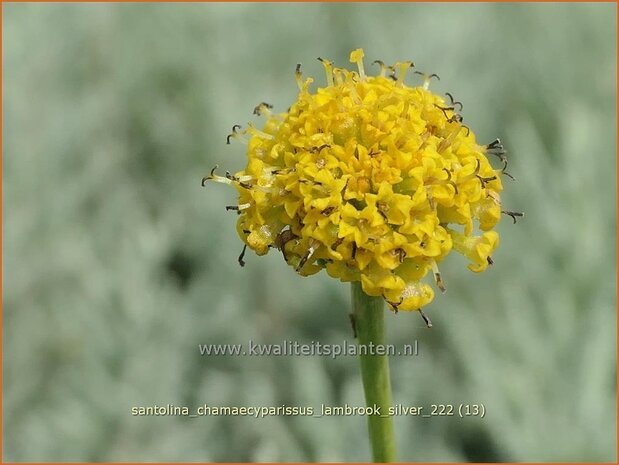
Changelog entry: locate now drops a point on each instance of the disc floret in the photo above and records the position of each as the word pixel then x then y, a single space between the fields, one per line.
pixel 371 180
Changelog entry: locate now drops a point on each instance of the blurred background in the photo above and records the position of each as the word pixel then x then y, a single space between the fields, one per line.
pixel 117 264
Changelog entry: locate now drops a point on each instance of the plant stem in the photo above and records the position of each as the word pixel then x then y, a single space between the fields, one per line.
pixel 369 322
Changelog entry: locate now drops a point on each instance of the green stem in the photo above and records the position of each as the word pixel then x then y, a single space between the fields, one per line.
pixel 369 322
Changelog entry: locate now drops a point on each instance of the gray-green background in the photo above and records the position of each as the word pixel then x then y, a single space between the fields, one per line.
pixel 117 264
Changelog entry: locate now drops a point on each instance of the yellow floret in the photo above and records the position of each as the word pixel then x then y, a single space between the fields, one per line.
pixel 371 180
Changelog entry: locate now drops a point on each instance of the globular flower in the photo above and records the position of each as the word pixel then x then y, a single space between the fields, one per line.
pixel 371 180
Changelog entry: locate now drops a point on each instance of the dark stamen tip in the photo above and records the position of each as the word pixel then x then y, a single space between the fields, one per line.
pixel 394 305
pixel 304 260
pixel 514 215
pixel 241 261
pixel 427 320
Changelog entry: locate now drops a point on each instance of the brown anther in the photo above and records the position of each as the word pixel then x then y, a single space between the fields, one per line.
pixel 259 109
pixel 231 177
pixel 489 260
pixel 514 215
pixel 495 144
pixel 304 259
pixel 445 109
pixel 307 181
pixel 354 251
pixel 401 254
pixel 383 67
pixel 328 211
pixel 394 305
pixel 318 149
pixel 485 181
pixel 449 181
pixel 507 174
pixel 233 208
pixel 337 243
pixel 210 176
pixel 454 102
pixel 372 153
pixel 427 320
pixel 391 70
pixel 241 261
pixel 501 154
pixel 234 129
pixel 439 282
pixel 455 118
pixel 282 239
pixel 428 76
pixel 379 63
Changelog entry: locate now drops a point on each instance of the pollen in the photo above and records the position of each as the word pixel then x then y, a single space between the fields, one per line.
pixel 370 179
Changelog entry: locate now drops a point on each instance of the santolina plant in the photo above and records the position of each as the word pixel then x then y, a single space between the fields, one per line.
pixel 375 182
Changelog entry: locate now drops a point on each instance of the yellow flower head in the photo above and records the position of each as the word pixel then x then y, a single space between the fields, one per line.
pixel 370 179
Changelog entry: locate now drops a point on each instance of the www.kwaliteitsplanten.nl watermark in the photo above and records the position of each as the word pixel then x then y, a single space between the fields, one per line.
pixel 309 349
